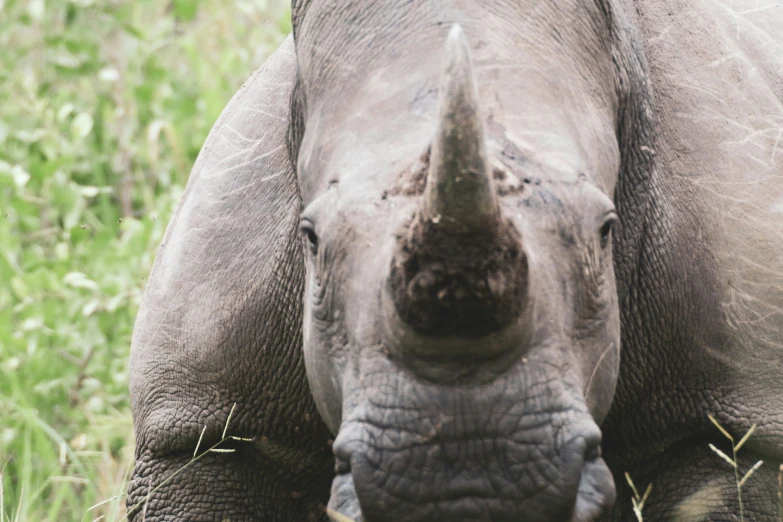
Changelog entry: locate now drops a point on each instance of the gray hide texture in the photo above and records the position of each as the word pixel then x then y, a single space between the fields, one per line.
pixel 703 329
pixel 221 324
pixel 698 260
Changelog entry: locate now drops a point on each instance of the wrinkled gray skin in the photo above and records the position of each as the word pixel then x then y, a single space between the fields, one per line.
pixel 667 113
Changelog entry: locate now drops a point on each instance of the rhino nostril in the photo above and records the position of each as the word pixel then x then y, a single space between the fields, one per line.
pixel 342 466
pixel 593 453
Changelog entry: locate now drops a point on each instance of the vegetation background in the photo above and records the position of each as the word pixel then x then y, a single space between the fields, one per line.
pixel 104 106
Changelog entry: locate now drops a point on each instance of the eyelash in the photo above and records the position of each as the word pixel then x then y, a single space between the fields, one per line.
pixel 606 230
pixel 308 230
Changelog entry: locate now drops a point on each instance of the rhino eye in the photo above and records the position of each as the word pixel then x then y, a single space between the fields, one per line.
pixel 606 229
pixel 308 231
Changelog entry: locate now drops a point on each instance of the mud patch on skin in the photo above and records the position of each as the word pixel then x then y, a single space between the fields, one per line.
pixel 458 282
pixel 414 179
pixel 506 182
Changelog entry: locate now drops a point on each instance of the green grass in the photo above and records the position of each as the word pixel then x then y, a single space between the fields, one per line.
pixel 104 106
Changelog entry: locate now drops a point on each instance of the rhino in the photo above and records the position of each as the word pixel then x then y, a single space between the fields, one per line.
pixel 477 260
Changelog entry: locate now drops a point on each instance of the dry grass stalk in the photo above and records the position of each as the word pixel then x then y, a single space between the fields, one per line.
pixel 196 457
pixel 638 500
pixel 733 461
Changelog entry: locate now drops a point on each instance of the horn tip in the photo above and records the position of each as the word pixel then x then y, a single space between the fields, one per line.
pixel 457 54
pixel 456 39
pixel 456 33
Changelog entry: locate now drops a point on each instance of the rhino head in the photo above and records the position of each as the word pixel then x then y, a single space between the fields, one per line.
pixel 461 326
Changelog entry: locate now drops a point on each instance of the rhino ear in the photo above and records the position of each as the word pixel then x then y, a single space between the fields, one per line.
pixel 459 188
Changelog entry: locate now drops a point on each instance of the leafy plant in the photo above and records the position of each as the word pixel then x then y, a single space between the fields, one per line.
pixel 104 106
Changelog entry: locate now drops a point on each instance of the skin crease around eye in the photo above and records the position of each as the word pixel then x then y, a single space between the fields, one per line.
pixel 308 231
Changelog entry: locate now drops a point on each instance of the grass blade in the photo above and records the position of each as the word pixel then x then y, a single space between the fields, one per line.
pixel 21 503
pixel 102 502
pixel 198 444
pixel 717 425
pixel 228 420
pixel 756 466
pixel 630 483
pixel 646 495
pixel 745 438
pixel 723 456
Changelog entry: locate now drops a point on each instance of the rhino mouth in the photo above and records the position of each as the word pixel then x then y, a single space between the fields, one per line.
pixel 422 453
pixel 467 498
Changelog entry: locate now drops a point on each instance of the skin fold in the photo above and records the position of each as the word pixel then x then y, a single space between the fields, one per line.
pixel 427 266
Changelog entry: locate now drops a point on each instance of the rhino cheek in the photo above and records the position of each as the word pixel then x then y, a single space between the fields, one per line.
pixel 324 384
pixel 601 364
pixel 602 381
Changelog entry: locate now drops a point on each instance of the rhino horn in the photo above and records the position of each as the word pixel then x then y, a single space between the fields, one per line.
pixel 459 191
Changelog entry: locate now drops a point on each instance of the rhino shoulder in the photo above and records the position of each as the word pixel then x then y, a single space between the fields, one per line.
pixel 220 320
